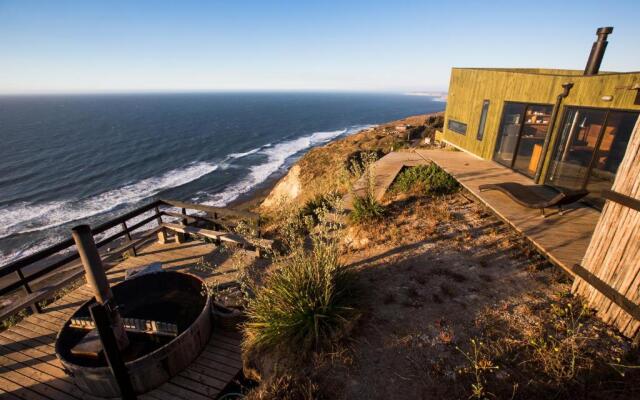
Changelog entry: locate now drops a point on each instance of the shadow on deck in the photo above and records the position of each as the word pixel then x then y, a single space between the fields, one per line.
pixel 29 368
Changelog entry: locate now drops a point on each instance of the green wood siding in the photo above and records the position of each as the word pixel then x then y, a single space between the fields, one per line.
pixel 468 88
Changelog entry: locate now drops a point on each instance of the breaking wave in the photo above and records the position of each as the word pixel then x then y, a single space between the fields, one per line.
pixel 32 217
pixel 276 156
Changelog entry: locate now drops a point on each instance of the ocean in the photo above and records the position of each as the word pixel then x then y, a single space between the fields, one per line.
pixel 66 160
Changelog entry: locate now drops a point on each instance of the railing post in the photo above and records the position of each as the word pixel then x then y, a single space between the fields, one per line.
pixel 162 233
pixel 132 251
pixel 182 237
pixel 35 307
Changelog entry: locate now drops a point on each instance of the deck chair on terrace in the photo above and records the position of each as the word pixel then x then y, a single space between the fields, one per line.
pixel 532 197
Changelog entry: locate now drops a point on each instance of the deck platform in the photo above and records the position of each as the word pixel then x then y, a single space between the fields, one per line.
pixel 30 370
pixel 385 171
pixel 562 238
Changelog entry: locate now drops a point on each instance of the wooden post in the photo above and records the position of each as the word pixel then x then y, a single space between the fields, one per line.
pixel 132 251
pixel 182 237
pixel 27 289
pixel 100 316
pixel 162 233
pixel 97 279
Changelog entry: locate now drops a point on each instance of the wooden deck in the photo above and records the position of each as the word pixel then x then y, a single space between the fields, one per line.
pixel 385 170
pixel 29 368
pixel 562 238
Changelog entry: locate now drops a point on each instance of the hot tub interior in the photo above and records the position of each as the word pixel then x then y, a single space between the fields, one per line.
pixel 170 297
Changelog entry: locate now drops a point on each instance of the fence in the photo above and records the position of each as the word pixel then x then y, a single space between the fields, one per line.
pixel 41 274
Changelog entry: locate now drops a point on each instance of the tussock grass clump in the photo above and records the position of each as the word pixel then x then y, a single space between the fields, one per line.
pixel 306 302
pixel 304 305
pixel 430 179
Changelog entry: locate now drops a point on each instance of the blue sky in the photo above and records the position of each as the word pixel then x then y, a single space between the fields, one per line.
pixel 117 46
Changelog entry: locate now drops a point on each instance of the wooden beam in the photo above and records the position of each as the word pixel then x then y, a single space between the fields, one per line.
pixel 211 209
pixel 609 292
pixel 623 199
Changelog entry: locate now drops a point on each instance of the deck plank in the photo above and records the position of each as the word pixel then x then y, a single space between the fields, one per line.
pixel 562 238
pixel 29 368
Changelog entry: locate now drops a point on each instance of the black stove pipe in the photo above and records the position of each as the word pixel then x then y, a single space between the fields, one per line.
pixel 597 51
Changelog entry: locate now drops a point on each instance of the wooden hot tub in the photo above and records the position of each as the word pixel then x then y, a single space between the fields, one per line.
pixel 172 297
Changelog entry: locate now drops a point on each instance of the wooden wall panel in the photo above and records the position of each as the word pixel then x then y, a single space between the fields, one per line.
pixel 469 87
pixel 613 254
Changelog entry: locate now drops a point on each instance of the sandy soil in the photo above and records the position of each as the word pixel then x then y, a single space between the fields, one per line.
pixel 435 275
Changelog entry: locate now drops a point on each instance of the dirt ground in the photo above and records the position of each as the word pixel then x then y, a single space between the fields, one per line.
pixel 436 274
pixel 454 304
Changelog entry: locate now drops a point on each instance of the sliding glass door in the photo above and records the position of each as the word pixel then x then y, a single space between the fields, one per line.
pixel 523 130
pixel 589 149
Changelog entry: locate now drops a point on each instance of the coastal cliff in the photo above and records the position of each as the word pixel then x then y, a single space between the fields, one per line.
pixel 323 168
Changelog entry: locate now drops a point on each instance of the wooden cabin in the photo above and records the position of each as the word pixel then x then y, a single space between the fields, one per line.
pixel 570 130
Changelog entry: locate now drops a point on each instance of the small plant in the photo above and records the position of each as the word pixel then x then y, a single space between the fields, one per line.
pixel 435 121
pixel 366 207
pixel 14 319
pixel 357 161
pixel 306 302
pixel 558 352
pixel 430 179
pixel 321 202
pixel 479 366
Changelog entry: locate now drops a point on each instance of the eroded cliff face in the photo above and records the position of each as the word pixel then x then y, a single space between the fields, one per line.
pixel 323 168
pixel 288 189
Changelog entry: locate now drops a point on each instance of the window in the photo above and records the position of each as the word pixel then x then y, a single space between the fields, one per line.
pixel 483 119
pixel 590 147
pixel 457 127
pixel 521 136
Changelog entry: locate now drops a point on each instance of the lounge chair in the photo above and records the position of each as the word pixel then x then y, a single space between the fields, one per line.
pixel 533 197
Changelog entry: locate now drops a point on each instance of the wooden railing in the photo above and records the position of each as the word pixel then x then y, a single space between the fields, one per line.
pixel 62 258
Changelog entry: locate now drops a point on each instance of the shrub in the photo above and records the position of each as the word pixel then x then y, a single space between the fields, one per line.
pixel 320 203
pixel 366 209
pixel 429 178
pixel 435 121
pixel 365 206
pixel 306 302
pixel 357 161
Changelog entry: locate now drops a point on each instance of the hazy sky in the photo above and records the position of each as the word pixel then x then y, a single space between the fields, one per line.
pixel 83 46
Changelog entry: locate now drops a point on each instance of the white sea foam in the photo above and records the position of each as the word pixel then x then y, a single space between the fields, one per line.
pixel 246 153
pixel 31 217
pixel 277 155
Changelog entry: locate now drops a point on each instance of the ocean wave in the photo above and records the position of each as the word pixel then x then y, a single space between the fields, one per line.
pixel 36 217
pixel 246 153
pixel 28 217
pixel 276 156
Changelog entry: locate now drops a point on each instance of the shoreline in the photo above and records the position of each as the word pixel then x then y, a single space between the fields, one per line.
pixel 253 198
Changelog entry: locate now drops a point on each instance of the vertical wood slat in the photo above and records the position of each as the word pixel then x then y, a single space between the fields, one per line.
pixel 132 252
pixel 35 308
pixel 613 254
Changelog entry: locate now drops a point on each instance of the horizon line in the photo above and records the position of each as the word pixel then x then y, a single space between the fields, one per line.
pixel 221 91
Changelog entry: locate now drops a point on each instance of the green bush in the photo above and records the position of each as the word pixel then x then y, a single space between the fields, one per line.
pixel 304 305
pixel 435 121
pixel 366 209
pixel 429 178
pixel 320 203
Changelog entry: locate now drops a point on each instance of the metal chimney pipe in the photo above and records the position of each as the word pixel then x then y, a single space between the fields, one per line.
pixel 597 51
pixel 97 279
